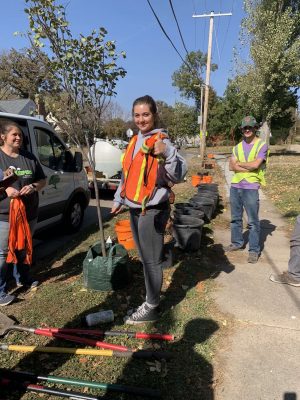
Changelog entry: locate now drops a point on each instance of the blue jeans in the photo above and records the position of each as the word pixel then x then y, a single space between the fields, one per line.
pixel 21 271
pixel 4 232
pixel 294 261
pixel 248 200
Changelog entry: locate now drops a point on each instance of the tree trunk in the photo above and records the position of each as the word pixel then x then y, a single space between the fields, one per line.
pixel 265 132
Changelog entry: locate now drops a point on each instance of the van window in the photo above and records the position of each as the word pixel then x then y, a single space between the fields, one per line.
pixel 51 151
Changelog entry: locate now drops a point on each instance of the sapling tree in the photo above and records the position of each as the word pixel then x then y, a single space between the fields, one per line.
pixel 87 71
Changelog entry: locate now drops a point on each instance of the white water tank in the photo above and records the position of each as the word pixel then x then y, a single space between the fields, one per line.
pixel 107 158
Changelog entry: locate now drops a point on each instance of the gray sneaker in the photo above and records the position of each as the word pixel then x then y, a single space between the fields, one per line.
pixel 285 278
pixel 232 247
pixel 252 257
pixel 6 299
pixel 142 315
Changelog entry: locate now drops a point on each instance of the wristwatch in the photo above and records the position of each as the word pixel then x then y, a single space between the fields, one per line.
pixel 33 185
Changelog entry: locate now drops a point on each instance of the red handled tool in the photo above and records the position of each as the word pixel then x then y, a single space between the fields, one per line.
pixel 96 332
pixel 61 335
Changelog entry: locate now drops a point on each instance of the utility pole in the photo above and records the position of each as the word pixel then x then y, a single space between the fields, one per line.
pixel 201 110
pixel 207 79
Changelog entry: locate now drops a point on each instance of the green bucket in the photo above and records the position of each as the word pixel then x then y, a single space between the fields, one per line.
pixel 106 273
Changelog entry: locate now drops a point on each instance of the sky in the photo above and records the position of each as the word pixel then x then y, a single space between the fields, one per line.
pixel 151 59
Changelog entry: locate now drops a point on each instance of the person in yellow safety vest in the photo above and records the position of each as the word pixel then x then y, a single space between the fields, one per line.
pixel 151 166
pixel 248 162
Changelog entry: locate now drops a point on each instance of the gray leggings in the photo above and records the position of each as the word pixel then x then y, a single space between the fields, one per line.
pixel 294 261
pixel 148 232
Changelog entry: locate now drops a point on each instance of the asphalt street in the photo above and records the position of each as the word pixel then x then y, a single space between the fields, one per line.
pixel 51 240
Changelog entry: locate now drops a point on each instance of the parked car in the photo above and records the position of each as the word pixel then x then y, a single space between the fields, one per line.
pixel 66 195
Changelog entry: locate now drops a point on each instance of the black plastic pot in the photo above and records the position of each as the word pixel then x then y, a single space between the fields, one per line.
pixel 187 209
pixel 187 219
pixel 209 186
pixel 201 197
pixel 205 205
pixel 168 254
pixel 206 192
pixel 187 232
pixel 207 195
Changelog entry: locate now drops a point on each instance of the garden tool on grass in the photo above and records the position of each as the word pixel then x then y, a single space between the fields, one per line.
pixel 7 325
pixel 44 389
pixel 111 387
pixel 96 332
pixel 142 354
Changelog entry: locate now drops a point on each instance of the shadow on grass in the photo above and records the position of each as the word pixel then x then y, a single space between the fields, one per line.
pixel 291 214
pixel 188 374
pixel 189 370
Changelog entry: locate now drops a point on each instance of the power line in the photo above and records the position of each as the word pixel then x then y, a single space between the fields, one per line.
pixel 178 27
pixel 217 45
pixel 226 33
pixel 182 40
pixel 167 36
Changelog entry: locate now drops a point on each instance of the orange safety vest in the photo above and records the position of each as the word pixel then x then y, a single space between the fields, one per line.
pixel 140 171
pixel 19 237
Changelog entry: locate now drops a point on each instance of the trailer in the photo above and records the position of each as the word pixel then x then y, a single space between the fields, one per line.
pixel 103 183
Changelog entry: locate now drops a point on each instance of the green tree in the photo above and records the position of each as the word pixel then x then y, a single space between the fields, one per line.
pixel 270 82
pixel 115 128
pixel 184 122
pixel 188 77
pixel 165 113
pixel 26 74
pixel 227 113
pixel 86 68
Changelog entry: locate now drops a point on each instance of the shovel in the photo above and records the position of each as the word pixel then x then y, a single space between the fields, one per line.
pixel 7 325
pixel 32 378
pixel 11 384
pixel 96 332
pixel 139 354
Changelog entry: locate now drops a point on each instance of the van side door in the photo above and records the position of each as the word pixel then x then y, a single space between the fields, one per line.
pixel 57 164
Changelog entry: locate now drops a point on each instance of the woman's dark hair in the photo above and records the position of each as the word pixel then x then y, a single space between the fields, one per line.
pixel 5 127
pixel 146 100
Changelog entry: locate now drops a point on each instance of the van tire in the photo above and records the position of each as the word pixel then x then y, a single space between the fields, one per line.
pixel 74 215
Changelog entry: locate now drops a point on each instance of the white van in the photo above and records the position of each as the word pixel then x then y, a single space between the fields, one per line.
pixel 66 195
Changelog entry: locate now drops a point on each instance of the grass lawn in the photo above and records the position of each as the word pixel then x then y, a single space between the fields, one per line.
pixel 62 301
pixel 283 184
pixel 188 310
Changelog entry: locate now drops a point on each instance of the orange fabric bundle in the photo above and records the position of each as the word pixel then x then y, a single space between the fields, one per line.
pixel 19 237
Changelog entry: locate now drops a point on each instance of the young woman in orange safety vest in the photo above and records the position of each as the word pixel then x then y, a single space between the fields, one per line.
pixel 151 166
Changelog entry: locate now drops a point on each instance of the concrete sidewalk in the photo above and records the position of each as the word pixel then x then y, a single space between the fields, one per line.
pixel 261 359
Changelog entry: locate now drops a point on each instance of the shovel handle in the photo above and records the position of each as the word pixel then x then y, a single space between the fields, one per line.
pixel 143 354
pixel 95 332
pixel 89 342
pixel 49 390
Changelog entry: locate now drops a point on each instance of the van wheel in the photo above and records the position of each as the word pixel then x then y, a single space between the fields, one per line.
pixel 74 216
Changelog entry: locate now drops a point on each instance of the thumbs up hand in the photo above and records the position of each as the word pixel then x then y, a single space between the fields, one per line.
pixel 159 148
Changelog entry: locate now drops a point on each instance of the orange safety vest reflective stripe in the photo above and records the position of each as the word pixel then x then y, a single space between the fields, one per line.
pixel 140 171
pixel 19 237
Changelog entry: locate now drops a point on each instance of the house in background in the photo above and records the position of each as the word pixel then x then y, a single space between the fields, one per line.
pixel 18 106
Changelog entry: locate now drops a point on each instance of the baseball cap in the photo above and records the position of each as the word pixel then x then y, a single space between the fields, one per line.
pixel 249 121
